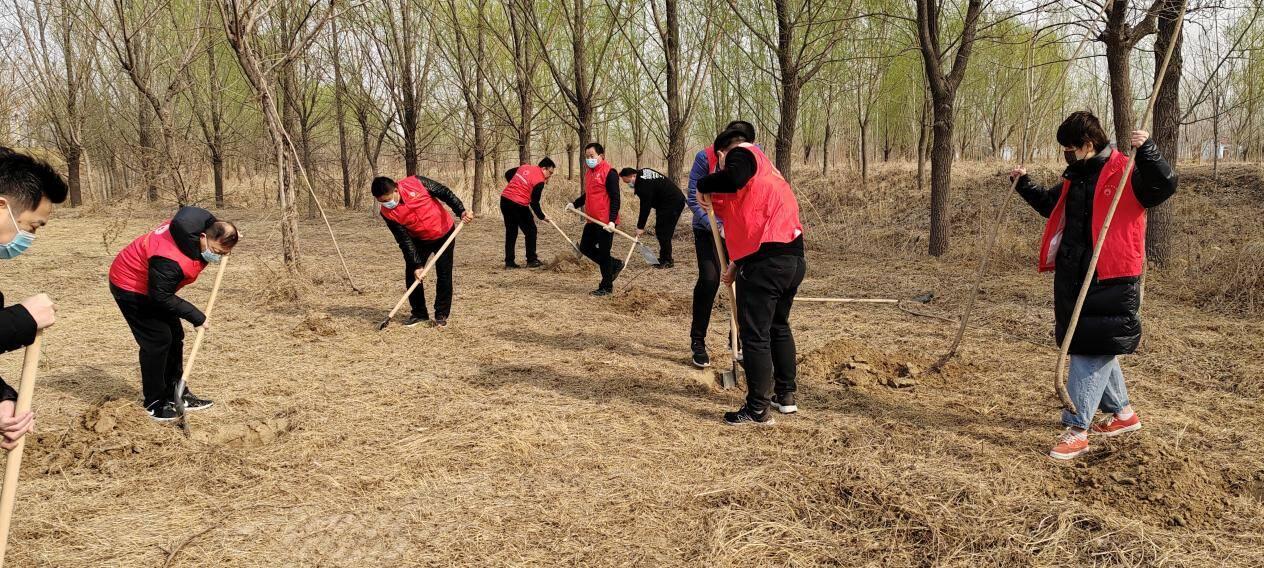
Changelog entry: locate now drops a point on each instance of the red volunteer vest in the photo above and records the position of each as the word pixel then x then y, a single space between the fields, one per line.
pixel 130 269
pixel 420 213
pixel 762 211
pixel 1123 253
pixel 524 180
pixel 596 201
pixel 712 159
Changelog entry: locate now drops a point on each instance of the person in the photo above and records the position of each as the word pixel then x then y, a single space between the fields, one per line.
pixel 1109 324
pixel 412 211
pixel 28 190
pixel 600 200
pixel 708 283
pixel 519 199
pixel 660 194
pixel 144 279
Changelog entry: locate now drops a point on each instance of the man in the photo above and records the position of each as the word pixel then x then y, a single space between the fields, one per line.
pixel 144 279
pixel 519 199
pixel 412 211
pixel 709 268
pixel 28 190
pixel 1109 323
pixel 764 238
pixel 600 201
pixel 660 194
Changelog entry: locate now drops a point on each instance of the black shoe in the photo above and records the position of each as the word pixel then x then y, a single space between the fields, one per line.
pixel 700 358
pixel 601 292
pixel 441 322
pixel 163 411
pixel 193 403
pixel 664 264
pixel 745 416
pixel 618 267
pixel 511 265
pixel 534 264
pixel 784 403
pixel 414 321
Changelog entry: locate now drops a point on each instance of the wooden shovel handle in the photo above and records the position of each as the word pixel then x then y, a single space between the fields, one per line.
pixel 13 466
pixel 429 264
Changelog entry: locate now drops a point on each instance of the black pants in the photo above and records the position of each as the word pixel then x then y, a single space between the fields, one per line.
pixel 443 277
pixel 518 218
pixel 665 228
pixel 765 292
pixel 595 244
pixel 160 336
pixel 707 285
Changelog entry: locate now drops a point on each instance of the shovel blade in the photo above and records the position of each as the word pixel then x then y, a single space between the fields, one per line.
pixel 727 380
pixel 650 257
pixel 384 323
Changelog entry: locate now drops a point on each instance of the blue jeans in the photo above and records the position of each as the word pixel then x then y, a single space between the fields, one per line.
pixel 1095 383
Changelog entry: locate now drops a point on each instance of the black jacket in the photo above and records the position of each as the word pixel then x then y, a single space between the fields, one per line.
pixel 17 329
pixel 165 274
pixel 407 243
pixel 1109 321
pixel 656 192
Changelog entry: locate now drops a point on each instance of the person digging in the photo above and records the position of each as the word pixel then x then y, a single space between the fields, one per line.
pixel 659 194
pixel 144 279
pixel 600 200
pixel 413 211
pixel 518 202
pixel 1109 323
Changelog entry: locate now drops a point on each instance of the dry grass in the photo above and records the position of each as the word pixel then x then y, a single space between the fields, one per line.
pixel 544 426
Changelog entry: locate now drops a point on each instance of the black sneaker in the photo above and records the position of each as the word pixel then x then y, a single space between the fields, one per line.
pixel 193 403
pixel 700 358
pixel 441 322
pixel 414 321
pixel 744 416
pixel 601 292
pixel 784 403
pixel 512 265
pixel 664 264
pixel 534 264
pixel 163 411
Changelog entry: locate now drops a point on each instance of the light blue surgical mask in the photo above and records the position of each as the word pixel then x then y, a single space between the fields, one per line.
pixel 590 162
pixel 210 256
pixel 390 204
pixel 20 242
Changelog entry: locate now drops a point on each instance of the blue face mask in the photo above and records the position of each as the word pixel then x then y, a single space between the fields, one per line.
pixel 20 242
pixel 211 257
pixel 590 162
pixel 390 204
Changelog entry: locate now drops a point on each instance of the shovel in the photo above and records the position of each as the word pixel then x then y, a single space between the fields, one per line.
pixel 727 379
pixel 13 465
pixel 568 239
pixel 649 256
pixel 197 345
pixel 429 264
pixel 616 231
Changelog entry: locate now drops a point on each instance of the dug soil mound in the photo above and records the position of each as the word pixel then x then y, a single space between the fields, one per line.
pixel 106 433
pixel 852 364
pixel 639 301
pixel 244 435
pixel 315 325
pixel 569 263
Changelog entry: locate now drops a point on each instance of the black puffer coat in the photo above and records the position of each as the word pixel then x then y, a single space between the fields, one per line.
pixel 1109 322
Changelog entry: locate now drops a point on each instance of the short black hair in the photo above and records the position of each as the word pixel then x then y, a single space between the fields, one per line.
pixel 223 232
pixel 1081 128
pixel 382 186
pixel 547 162
pixel 729 136
pixel 625 172
pixel 601 150
pixel 509 173
pixel 748 129
pixel 25 181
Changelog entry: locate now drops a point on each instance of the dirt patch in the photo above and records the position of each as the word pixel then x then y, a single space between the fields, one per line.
pixel 106 433
pixel 246 435
pixel 315 325
pixel 849 363
pixel 639 301
pixel 569 263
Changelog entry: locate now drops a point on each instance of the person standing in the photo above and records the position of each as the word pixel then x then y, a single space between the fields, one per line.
pixel 709 268
pixel 413 212
pixel 144 279
pixel 600 200
pixel 661 195
pixel 28 190
pixel 1109 323
pixel 764 238
pixel 519 199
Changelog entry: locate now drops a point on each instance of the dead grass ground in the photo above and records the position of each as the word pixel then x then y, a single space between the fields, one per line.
pixel 548 427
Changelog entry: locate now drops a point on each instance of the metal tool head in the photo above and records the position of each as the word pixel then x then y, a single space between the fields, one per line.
pixel 649 255
pixel 727 379
pixel 384 323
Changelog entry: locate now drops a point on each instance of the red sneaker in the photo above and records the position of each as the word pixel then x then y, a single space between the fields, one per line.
pixel 1115 426
pixel 1069 446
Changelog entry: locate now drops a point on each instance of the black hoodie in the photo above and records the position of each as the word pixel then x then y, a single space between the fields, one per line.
pixel 165 274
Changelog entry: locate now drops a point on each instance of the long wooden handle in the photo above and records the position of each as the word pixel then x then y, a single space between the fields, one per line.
pixel 631 249
pixel 201 333
pixel 1059 377
pixel 13 466
pixel 616 231
pixel 564 236
pixel 724 266
pixel 429 263
pixel 847 300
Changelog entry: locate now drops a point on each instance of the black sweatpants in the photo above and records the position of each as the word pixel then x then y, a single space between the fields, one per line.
pixel 708 284
pixel 765 292
pixel 443 278
pixel 665 228
pixel 595 243
pixel 518 218
pixel 160 336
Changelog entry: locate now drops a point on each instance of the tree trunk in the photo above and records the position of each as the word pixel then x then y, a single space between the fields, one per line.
pixel 217 168
pixel 570 158
pixel 921 144
pixel 343 159
pixel 408 92
pixel 940 177
pixel 145 139
pixel 1118 48
pixel 677 123
pixel 74 155
pixel 1167 123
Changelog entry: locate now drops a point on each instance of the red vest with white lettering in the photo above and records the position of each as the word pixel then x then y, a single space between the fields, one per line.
pixel 762 211
pixel 524 180
pixel 130 269
pixel 596 200
pixel 1123 253
pixel 419 212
